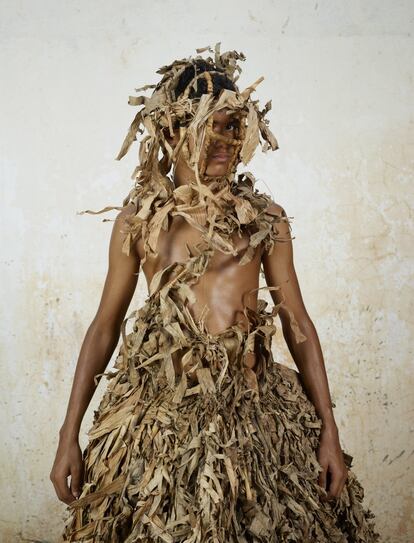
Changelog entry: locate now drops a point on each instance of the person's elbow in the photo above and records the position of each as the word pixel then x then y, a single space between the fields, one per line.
pixel 295 319
pixel 108 326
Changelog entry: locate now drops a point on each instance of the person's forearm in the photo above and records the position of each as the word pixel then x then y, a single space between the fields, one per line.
pixel 96 351
pixel 308 358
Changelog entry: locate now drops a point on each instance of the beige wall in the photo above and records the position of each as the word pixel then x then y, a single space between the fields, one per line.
pixel 340 75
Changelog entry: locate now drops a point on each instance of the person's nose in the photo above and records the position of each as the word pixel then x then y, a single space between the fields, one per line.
pixel 218 144
pixel 220 147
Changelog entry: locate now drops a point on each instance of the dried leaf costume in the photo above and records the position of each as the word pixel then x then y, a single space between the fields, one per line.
pixel 220 453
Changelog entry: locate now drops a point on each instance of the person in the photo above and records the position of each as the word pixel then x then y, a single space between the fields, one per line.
pixel 200 435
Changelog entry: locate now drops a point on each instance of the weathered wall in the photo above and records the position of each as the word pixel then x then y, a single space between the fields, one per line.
pixel 340 75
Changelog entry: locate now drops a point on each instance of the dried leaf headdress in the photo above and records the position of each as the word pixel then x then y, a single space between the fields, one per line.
pixel 195 117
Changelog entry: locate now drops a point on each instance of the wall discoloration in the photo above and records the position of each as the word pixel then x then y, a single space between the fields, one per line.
pixel 341 83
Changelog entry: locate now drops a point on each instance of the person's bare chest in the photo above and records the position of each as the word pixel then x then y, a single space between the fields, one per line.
pixel 223 286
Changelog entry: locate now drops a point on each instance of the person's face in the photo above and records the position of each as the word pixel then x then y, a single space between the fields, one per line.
pixel 219 153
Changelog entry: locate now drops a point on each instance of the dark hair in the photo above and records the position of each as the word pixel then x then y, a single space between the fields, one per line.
pixel 219 79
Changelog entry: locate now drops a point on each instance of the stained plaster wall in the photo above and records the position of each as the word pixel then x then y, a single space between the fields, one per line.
pixel 340 75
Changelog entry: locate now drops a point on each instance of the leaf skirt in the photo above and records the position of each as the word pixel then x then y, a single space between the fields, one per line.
pixel 191 445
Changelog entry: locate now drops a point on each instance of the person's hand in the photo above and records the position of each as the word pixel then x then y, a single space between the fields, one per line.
pixel 68 462
pixel 331 459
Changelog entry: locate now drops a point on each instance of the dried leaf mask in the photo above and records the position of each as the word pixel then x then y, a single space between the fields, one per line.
pixel 192 113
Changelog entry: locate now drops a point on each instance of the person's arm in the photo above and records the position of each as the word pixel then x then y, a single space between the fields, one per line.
pixel 279 270
pixel 97 348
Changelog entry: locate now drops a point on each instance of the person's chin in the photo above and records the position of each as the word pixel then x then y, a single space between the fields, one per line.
pixel 217 168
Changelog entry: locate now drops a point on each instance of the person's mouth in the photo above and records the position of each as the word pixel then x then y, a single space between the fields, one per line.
pixel 220 156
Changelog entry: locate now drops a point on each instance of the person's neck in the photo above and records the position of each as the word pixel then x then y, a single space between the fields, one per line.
pixel 186 176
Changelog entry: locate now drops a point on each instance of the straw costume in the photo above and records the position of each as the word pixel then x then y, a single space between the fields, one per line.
pixel 220 453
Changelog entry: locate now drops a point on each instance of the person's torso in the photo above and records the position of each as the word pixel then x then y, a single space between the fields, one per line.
pixel 223 287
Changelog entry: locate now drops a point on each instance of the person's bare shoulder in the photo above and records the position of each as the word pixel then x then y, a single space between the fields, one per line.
pixel 275 209
pixel 126 212
pixel 281 222
pixel 120 231
pixel 122 219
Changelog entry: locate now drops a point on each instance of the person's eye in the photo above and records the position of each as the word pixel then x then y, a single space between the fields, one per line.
pixel 232 125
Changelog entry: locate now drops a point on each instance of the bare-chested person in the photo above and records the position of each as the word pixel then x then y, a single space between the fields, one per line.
pixel 221 288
